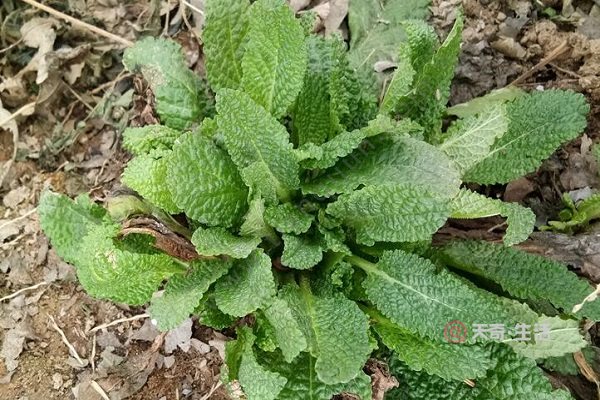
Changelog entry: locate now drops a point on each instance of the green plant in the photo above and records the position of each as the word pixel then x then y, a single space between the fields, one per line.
pixel 300 209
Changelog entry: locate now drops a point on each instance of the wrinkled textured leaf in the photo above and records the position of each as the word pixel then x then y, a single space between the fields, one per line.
pixel 146 139
pixel 184 292
pixel 390 161
pixel 402 285
pixel 538 124
pixel 248 286
pixel 255 138
pixel 523 275
pixel 469 140
pixel 67 221
pixel 147 175
pixel 290 338
pixel 563 338
pixel 258 382
pixel 286 218
pixel 181 96
pixel 426 102
pixel 303 383
pixel 224 37
pixel 329 153
pixel 275 59
pixel 300 252
pixel 391 213
pixel 446 360
pixel 514 378
pixel 205 183
pixel 520 220
pixel 398 87
pixel 315 117
pixel 126 271
pixel 217 241
pixel 336 331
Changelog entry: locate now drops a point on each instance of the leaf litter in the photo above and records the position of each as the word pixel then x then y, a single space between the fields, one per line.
pixel 501 42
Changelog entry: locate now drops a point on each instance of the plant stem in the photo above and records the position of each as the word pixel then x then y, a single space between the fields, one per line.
pixel 361 263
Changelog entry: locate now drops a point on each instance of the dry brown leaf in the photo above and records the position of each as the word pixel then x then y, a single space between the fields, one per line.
pixel 37 33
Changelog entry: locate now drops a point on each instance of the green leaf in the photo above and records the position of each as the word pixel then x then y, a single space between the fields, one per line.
pixel 514 378
pixel 329 153
pixel 181 96
pixel 255 138
pixel 290 338
pixel 258 382
pixel 286 218
pixel 210 315
pixel 144 140
pixel 66 222
pixel 184 292
pixel 125 271
pixel 553 337
pixel 314 115
pixel 481 104
pixel 402 285
pixel 398 87
pixel 390 161
pixel 376 30
pixel 276 57
pixel 427 100
pixel 254 223
pixel 538 124
pixel 205 183
pixel 224 37
pixel 523 275
pixel 520 220
pixel 147 175
pixel 576 215
pixel 446 360
pixel 248 286
pixel 218 241
pixel 336 331
pixel 300 252
pixel 303 383
pixel 391 213
pixel 469 140
pixel 566 364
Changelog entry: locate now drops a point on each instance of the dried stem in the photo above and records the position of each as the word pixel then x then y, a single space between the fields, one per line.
pixel 81 24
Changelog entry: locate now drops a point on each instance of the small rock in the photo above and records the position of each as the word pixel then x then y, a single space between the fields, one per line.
pixel 200 346
pixel 510 48
pixel 169 361
pixel 501 16
pixel 57 381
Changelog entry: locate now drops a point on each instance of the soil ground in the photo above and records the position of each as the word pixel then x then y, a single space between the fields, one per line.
pixel 70 142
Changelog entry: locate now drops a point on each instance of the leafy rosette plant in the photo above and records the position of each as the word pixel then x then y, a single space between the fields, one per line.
pixel 282 197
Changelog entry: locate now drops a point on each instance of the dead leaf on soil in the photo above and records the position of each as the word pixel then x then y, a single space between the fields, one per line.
pixel 37 33
pixel 179 337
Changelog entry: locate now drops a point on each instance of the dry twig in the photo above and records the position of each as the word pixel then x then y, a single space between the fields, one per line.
pixel 12 221
pixel 81 24
pixel 559 50
pixel 99 390
pixel 18 292
pixel 118 321
pixel 66 341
